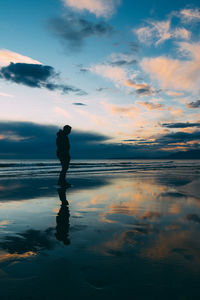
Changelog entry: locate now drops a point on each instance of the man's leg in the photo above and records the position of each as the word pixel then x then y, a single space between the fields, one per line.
pixel 65 166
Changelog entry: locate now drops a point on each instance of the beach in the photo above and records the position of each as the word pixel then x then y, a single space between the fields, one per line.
pixel 123 228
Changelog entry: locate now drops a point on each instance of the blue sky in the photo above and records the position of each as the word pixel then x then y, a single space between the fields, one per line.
pixel 125 69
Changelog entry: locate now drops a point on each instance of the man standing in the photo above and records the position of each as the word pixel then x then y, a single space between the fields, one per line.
pixel 63 147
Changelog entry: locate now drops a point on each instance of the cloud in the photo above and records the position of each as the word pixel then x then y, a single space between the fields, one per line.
pixel 136 85
pixel 157 32
pixel 83 70
pixel 6 95
pixel 152 106
pixel 120 77
pixel 141 88
pixel 62 112
pixel 100 8
pixel 194 104
pixel 179 137
pixel 35 76
pixel 174 73
pixel 73 31
pixel 114 73
pixel 180 125
pixel 122 59
pixel 101 89
pixel 181 33
pixel 31 140
pixel 133 46
pixel 123 62
pixel 7 56
pixel 174 93
pixel 190 15
pixel 38 141
pixel 175 111
pixel 79 103
pixel 129 111
pixel 26 139
pixel 171 142
pixel 144 91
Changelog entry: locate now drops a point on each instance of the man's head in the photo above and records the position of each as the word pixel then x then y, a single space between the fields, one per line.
pixel 67 129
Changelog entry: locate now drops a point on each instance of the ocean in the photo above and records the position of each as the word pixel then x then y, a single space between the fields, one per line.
pixel 50 168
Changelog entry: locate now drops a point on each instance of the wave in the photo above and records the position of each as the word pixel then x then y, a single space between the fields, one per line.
pixel 52 167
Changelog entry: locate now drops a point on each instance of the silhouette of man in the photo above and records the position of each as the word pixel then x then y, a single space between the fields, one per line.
pixel 63 147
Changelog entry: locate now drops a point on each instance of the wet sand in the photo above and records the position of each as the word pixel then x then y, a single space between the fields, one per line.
pixel 108 236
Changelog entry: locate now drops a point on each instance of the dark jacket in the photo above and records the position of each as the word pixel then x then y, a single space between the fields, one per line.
pixel 63 145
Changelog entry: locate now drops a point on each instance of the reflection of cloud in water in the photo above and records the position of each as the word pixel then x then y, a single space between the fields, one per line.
pixel 172 227
pixel 30 188
pixel 173 195
pixel 105 218
pixel 149 215
pixel 175 208
pixel 29 241
pixel 175 180
pixel 146 198
pixel 138 198
pixel 4 256
pixel 193 217
pixel 183 244
pixel 99 199
pixel 128 240
pixel 2 187
pixel 168 217
pixel 192 188
pixel 5 223
pixel 124 217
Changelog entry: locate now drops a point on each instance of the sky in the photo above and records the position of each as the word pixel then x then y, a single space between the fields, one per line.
pixel 124 74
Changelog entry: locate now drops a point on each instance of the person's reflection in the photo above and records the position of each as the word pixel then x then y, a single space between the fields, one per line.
pixel 62 218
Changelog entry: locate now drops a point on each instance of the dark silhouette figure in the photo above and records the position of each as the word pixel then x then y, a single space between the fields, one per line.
pixel 62 218
pixel 63 147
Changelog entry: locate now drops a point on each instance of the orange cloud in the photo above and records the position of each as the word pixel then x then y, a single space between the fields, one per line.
pixel 120 76
pixel 114 73
pixel 7 56
pixel 174 73
pixel 130 111
pixel 176 112
pixel 151 105
pixel 174 93
pixel 136 85
pixel 97 7
pixel 158 32
pixel 62 112
pixel 191 14
pixel 6 95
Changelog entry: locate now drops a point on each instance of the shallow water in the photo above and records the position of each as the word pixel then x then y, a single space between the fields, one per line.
pixel 126 234
pixel 50 168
